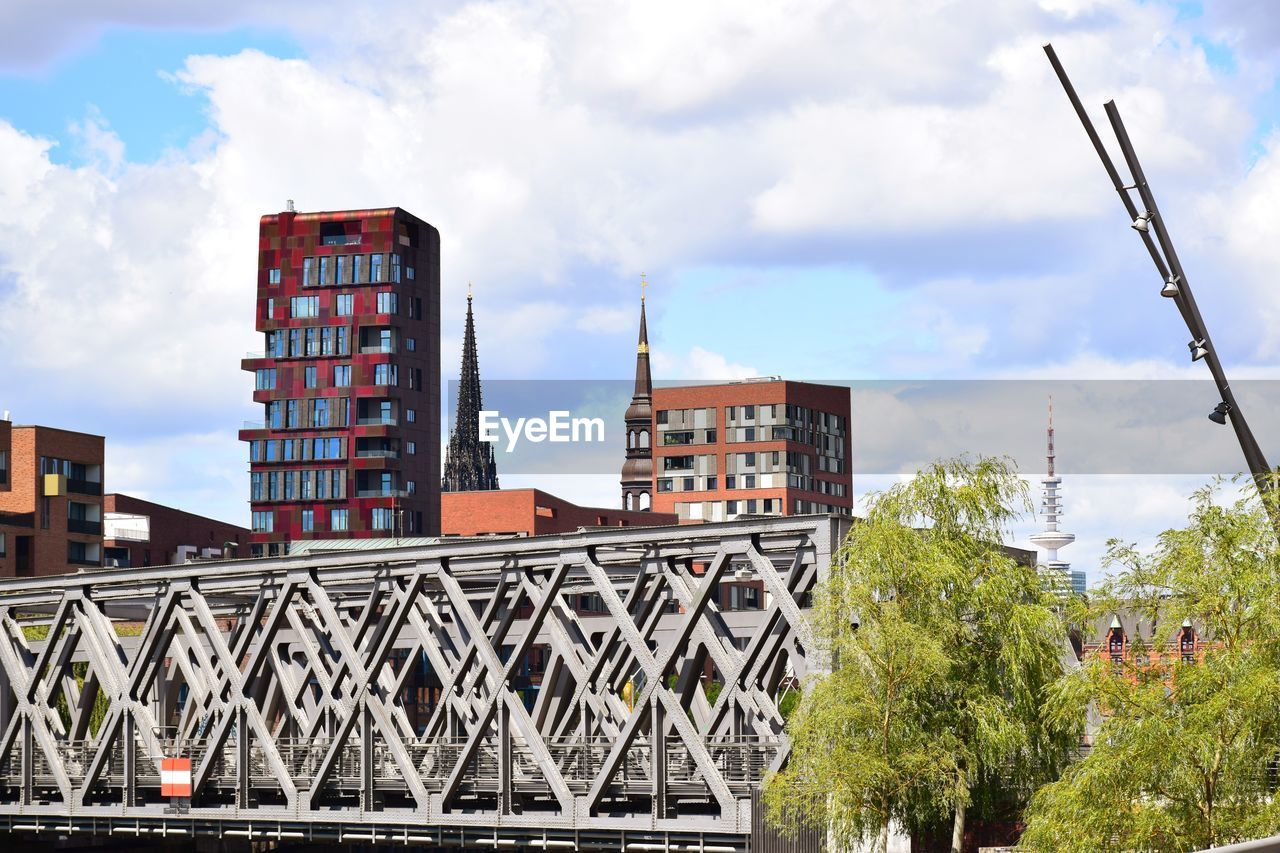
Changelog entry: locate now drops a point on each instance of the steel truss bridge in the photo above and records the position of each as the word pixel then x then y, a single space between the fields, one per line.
pixel 291 683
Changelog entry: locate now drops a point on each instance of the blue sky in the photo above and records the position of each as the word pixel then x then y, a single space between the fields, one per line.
pixel 825 190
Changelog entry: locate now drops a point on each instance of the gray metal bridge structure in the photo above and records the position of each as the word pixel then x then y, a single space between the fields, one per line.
pixel 289 684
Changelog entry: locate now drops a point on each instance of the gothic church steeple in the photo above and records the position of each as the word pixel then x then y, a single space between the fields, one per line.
pixel 469 465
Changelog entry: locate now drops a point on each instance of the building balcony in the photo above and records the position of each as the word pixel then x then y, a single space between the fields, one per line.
pixel 382 493
pixel 377 454
pixel 377 421
pixel 83 487
pixel 83 561
pixel 81 525
pixel 377 348
pixel 127 535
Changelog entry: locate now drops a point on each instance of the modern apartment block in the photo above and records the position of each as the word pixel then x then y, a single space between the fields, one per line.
pixel 349 309
pixel 50 500
pixel 755 447
pixel 141 533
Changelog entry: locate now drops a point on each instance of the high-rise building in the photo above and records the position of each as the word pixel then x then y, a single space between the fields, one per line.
pixel 469 465
pixel 755 447
pixel 1051 538
pixel 50 500
pixel 349 308
pixel 637 469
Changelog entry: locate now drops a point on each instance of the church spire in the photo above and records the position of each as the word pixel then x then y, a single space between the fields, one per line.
pixel 469 465
pixel 637 470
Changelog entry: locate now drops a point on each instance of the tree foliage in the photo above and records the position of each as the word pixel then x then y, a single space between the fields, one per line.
pixel 1185 754
pixel 941 648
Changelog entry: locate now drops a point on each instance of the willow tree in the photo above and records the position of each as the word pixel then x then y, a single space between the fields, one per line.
pixel 941 648
pixel 1186 750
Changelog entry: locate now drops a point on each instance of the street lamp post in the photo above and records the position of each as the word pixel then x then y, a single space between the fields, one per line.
pixel 1150 226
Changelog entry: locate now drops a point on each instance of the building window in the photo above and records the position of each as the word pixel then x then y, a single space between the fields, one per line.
pixel 375 268
pixel 263 521
pixel 342 269
pixel 358 270
pixel 291 414
pixel 308 521
pixel 381 517
pixel 341 375
pixel 308 271
pixel 387 302
pixel 320 413
pixel 255 486
pixel 346 304
pixel 411 447
pixel 326 270
pixel 265 379
pixel 410 344
pixel 408 273
pixel 3 546
pixel 313 341
pixel 338 517
pixel 410 415
pixel 395 267
pixel 304 306
pixel 385 374
pixel 309 377
pixel 410 487
pixel 273 275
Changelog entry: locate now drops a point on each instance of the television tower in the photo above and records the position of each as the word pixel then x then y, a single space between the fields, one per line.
pixel 1051 538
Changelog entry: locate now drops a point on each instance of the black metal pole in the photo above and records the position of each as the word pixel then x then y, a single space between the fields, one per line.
pixel 1165 258
pixel 1195 324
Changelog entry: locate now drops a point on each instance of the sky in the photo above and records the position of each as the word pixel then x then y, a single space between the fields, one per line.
pixel 838 191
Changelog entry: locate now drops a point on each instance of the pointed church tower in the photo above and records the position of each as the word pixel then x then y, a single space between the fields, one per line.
pixel 637 470
pixel 469 465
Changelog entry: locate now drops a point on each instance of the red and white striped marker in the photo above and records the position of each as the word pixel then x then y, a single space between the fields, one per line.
pixel 175 777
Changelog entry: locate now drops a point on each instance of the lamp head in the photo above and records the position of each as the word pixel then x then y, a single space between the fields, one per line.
pixel 1170 288
pixel 1219 413
pixel 1198 349
pixel 1142 223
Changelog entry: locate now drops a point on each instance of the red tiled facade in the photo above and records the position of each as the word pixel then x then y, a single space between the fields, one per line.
pixel 51 501
pixel 530 512
pixel 168 536
pixel 756 447
pixel 349 307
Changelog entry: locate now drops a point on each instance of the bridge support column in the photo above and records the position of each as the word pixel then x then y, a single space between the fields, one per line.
pixel 130 758
pixel 242 759
pixel 658 757
pixel 504 758
pixel 366 758
pixel 28 760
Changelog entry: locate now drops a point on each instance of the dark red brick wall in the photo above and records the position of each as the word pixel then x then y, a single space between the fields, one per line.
pixel 25 496
pixel 833 399
pixel 172 528
pixel 532 512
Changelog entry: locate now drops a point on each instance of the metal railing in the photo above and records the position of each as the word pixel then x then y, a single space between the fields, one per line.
pixel 82 525
pixel 84 487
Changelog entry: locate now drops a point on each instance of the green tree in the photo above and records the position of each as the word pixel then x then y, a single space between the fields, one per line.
pixel 1185 753
pixel 941 648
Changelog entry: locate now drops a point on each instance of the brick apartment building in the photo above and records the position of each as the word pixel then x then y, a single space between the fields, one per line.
pixel 142 533
pixel 755 447
pixel 50 500
pixel 349 308
pixel 530 512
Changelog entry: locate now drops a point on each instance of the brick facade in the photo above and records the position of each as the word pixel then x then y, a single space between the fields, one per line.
pixel 815 436
pixel 171 535
pixel 349 308
pixel 531 512
pixel 51 524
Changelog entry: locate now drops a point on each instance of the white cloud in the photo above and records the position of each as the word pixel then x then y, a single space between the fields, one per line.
pixel 561 149
pixel 698 363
